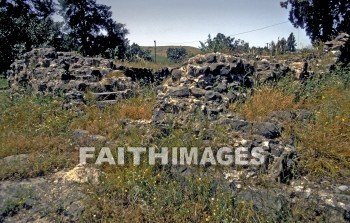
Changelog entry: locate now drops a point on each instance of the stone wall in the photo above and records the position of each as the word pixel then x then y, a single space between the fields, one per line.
pixel 339 48
pixel 47 72
pixel 216 78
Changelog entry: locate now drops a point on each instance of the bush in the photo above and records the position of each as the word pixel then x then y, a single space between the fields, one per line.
pixel 224 44
pixel 135 53
pixel 176 55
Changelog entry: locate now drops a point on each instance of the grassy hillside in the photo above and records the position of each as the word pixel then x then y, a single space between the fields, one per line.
pixel 161 51
pixel 162 60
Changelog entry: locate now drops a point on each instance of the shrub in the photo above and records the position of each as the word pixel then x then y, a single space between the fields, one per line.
pixel 176 55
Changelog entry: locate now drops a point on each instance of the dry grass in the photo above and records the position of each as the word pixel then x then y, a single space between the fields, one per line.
pixel 264 101
pixel 136 109
pixel 325 143
pixel 38 128
pixel 105 121
pixel 115 74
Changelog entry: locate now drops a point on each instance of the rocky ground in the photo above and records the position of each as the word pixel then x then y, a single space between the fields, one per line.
pixel 57 197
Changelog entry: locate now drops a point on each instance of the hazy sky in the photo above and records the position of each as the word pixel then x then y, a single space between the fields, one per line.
pixel 185 22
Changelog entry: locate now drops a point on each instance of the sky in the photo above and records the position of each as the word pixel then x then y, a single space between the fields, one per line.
pixel 186 22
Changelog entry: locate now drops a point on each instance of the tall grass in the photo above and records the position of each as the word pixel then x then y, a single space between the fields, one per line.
pixel 264 101
pixel 37 127
pixel 105 121
pixel 324 142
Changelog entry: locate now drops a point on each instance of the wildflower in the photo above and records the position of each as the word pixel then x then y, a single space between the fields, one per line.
pixel 323 97
pixel 343 119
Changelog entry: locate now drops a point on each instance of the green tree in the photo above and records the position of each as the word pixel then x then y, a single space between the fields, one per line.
pixel 24 25
pixel 224 44
pixel 176 55
pixel 220 43
pixel 291 43
pixel 136 53
pixel 273 48
pixel 92 29
pixel 321 19
pixel 281 46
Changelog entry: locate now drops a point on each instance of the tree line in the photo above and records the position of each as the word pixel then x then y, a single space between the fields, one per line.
pixel 87 27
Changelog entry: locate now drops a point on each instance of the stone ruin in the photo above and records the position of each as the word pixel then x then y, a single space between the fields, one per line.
pixel 216 77
pixel 339 48
pixel 68 74
pixel 196 96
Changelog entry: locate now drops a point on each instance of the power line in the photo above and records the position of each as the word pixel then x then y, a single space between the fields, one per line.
pixel 250 31
pixel 254 30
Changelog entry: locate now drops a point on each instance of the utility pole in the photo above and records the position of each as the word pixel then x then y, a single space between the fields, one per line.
pixel 298 40
pixel 155 51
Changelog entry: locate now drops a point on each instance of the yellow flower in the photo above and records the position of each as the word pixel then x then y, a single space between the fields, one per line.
pixel 343 119
pixel 323 97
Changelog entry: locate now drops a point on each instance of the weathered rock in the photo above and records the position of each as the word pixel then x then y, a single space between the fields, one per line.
pixel 266 129
pixel 83 136
pixel 79 174
pixel 176 75
pixel 197 92
pixel 14 159
pixel 284 167
pixel 340 48
pixel 213 96
pixel 179 91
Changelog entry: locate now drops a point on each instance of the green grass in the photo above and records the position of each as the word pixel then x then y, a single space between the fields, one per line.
pixel 154 194
pixel 37 127
pixel 3 83
pixel 161 50
pixel 40 128
pixel 324 142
